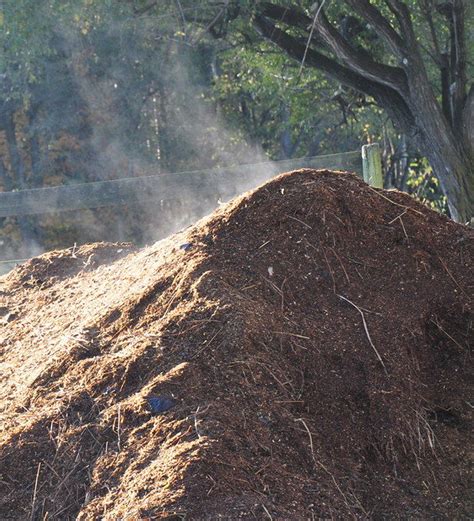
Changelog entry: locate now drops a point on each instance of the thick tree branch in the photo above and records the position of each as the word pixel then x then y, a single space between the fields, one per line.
pixel 291 16
pixel 358 60
pixel 388 98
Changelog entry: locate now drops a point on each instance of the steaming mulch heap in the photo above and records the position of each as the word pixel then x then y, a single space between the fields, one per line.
pixel 300 354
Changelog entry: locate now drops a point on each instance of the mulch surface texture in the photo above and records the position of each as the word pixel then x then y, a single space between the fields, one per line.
pixel 302 353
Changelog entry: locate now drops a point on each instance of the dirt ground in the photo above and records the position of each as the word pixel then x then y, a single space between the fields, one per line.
pixel 301 354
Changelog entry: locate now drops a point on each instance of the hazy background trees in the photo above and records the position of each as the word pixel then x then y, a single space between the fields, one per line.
pixel 111 89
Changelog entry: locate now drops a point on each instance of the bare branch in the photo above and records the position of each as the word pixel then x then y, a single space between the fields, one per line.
pixel 313 26
pixel 181 16
pixel 427 11
pixel 145 9
pixel 366 329
pixel 402 14
pixel 213 22
pixel 359 60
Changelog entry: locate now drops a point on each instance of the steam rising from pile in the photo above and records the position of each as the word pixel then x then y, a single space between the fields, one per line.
pixel 147 113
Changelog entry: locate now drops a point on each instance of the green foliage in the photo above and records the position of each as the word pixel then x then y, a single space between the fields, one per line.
pixel 425 186
pixel 24 26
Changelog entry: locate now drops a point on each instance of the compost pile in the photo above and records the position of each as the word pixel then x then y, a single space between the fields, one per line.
pixel 302 353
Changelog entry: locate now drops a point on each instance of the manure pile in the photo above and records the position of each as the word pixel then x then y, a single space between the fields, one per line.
pixel 301 354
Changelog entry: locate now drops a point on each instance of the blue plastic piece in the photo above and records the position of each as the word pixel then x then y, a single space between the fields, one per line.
pixel 160 404
pixel 186 246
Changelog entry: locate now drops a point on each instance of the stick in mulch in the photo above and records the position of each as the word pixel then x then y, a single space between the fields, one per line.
pixel 452 278
pixel 407 208
pixel 33 501
pixel 330 271
pixel 311 446
pixel 366 331
pixel 267 512
pixel 319 463
pixel 401 222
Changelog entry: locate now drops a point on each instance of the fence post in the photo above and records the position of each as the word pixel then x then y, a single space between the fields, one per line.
pixel 372 165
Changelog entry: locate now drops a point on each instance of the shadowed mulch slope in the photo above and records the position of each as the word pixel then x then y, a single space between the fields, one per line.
pixel 310 343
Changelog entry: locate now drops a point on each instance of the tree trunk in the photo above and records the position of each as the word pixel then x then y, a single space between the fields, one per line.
pixel 286 141
pixel 35 148
pixel 445 146
pixel 18 167
pixel 456 176
pixel 19 180
pixel 5 179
